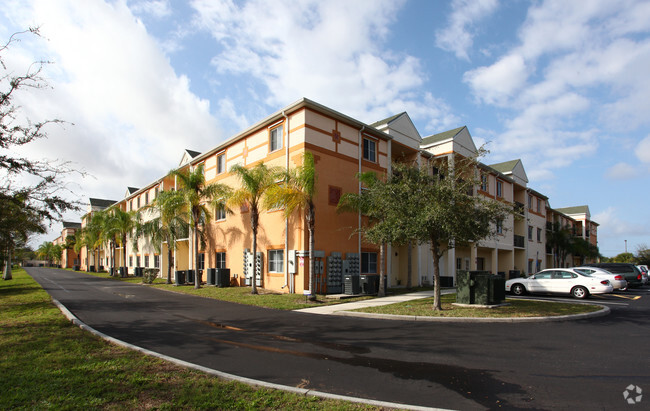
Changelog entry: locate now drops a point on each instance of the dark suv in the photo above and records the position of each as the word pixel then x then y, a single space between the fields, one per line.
pixel 632 274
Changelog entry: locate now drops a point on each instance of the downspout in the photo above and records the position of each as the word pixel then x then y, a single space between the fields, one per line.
pixel 286 220
pixel 359 213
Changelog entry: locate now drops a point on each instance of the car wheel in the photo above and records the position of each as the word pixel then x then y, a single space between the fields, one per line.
pixel 518 289
pixel 580 292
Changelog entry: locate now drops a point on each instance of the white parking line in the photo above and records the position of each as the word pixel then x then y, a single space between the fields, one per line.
pixel 57 284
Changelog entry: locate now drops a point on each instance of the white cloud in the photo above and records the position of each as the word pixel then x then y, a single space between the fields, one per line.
pixel 499 83
pixel 330 52
pixel 622 171
pixel 132 114
pixel 456 37
pixel 642 150
pixel 155 8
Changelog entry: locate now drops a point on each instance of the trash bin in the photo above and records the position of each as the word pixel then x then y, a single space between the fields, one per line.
pixel 223 277
pixel 351 285
pixel 212 274
pixel 180 277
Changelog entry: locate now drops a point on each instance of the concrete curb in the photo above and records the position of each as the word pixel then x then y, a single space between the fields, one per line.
pixel 232 377
pixel 602 312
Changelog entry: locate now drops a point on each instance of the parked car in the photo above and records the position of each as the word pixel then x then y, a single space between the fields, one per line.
pixel 644 271
pixel 632 274
pixel 616 280
pixel 559 281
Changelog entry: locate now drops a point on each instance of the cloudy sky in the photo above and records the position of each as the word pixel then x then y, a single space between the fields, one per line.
pixel 562 85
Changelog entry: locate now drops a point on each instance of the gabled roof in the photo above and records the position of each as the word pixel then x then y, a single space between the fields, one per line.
pixel 446 135
pixel 98 202
pixel 192 153
pixel 506 166
pixel 68 224
pixel 387 120
pixel 574 210
pixel 131 190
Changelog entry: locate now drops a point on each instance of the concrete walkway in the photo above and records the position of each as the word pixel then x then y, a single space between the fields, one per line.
pixel 333 309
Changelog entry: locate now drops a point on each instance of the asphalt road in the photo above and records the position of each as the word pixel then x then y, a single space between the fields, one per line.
pixel 584 364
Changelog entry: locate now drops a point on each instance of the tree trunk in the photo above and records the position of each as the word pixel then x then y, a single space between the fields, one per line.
pixel 254 222
pixel 197 280
pixel 126 273
pixel 437 305
pixel 382 286
pixel 7 269
pixel 169 264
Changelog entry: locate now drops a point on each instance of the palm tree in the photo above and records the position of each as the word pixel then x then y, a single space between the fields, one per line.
pixel 167 227
pixel 195 193
pixel 297 191
pixel 255 183
pixel 120 225
pixel 46 251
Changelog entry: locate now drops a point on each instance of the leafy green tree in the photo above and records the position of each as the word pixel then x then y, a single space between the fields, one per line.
pixel 583 249
pixel 255 182
pixel 168 226
pixel 196 194
pixel 297 191
pixel 624 258
pixel 18 221
pixel 559 240
pixel 49 251
pixel 119 225
pixel 643 254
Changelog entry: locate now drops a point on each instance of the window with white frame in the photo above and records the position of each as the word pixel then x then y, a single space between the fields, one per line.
pixel 368 263
pixel 276 261
pixel 499 226
pixel 530 232
pixel 137 261
pixel 130 261
pixel 484 182
pixel 539 205
pixel 201 261
pixel 369 150
pixel 275 139
pixel 156 261
pixel 146 197
pixel 146 261
pixel 499 188
pixel 220 259
pixel 539 235
pixel 221 163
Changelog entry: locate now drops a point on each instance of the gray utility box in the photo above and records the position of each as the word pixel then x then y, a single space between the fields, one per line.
pixel 479 287
pixel 351 285
pixel 212 276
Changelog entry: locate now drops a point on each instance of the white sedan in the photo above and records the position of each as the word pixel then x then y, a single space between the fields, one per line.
pixel 617 280
pixel 559 281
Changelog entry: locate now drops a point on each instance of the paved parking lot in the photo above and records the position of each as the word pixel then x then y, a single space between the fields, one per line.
pixel 584 364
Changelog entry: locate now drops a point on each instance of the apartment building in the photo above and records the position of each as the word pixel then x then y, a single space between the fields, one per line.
pixel 69 257
pixel 342 147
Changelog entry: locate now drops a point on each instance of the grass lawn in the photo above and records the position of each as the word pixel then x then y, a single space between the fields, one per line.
pixel 242 295
pixel 48 363
pixel 516 308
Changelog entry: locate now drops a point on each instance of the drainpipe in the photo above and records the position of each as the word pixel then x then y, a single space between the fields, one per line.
pixel 286 220
pixel 359 218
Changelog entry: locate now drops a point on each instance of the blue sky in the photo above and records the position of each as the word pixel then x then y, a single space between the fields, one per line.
pixel 562 85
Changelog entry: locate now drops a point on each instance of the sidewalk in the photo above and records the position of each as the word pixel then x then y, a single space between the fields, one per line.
pixel 333 309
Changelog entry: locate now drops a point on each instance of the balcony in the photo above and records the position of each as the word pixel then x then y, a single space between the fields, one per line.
pixel 519 241
pixel 519 208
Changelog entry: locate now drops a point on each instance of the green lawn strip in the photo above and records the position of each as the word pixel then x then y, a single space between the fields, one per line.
pixel 242 295
pixel 516 308
pixel 47 362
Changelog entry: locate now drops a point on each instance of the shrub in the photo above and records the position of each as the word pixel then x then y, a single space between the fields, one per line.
pixel 149 275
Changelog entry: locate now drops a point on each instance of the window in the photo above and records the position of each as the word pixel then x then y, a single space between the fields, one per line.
pixel 530 202
pixel 539 235
pixel 220 258
pixel 499 188
pixel 130 261
pixel 221 163
pixel 484 182
pixel 530 232
pixel 275 140
pixel 201 261
pixel 137 261
pixel 138 201
pixel 221 212
pixel 156 261
pixel 146 197
pixel 539 205
pixel 369 150
pixel 146 261
pixel 334 195
pixel 276 261
pixel 480 263
pixel 500 227
pixel 156 191
pixel 459 263
pixel 368 263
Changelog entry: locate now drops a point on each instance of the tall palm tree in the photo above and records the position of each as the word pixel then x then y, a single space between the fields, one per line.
pixel 297 191
pixel 46 251
pixel 168 226
pixel 196 194
pixel 255 182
